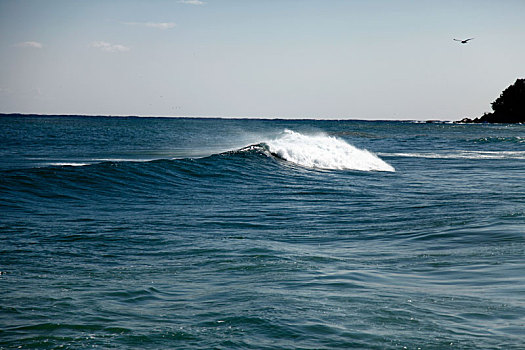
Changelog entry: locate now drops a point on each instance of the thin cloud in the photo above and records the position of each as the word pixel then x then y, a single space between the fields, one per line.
pixel 30 44
pixel 5 91
pixel 108 47
pixel 192 2
pixel 158 25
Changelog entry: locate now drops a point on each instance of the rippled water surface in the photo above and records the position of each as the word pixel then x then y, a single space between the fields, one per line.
pixel 260 234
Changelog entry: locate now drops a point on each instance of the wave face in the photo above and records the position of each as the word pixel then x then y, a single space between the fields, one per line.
pixel 170 234
pixel 324 152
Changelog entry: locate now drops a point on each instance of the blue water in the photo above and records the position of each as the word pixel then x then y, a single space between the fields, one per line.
pixel 172 233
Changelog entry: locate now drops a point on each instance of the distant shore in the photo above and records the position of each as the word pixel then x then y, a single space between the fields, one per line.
pixel 219 117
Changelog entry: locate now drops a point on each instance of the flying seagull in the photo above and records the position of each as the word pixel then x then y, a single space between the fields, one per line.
pixel 463 41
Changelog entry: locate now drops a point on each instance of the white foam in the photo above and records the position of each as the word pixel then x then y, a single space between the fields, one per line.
pixel 122 160
pixel 324 152
pixel 463 155
pixel 67 164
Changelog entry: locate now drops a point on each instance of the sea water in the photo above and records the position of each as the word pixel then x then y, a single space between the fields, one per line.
pixel 260 234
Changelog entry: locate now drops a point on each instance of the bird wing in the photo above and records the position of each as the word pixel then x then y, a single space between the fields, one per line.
pixel 457 40
pixel 469 39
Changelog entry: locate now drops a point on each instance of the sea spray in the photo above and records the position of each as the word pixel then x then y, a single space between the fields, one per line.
pixel 324 152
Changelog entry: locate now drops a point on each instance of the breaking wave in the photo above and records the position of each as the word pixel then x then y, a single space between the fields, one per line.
pixel 322 152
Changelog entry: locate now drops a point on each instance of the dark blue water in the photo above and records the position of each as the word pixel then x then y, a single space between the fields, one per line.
pixel 171 233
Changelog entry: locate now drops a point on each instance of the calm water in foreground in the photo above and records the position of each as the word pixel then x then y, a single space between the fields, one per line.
pixel 260 234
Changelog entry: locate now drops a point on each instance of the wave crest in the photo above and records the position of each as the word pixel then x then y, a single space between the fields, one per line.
pixel 322 152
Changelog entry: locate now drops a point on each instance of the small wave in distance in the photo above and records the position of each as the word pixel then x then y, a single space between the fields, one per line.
pixel 462 155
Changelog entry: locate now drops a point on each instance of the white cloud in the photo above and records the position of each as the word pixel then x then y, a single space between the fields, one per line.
pixel 161 25
pixel 192 2
pixel 158 25
pixel 105 46
pixel 31 44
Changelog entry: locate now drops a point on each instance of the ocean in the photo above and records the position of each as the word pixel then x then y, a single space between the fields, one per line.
pixel 178 233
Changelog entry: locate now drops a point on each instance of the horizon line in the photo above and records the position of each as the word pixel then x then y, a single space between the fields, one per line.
pixel 2 114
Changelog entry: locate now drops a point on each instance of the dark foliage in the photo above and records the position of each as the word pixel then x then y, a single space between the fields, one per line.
pixel 509 107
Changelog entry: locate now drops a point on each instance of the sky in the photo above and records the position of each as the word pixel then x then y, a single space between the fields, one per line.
pixel 322 59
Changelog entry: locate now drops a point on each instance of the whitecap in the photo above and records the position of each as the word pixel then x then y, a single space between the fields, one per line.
pixel 68 164
pixel 462 155
pixel 324 152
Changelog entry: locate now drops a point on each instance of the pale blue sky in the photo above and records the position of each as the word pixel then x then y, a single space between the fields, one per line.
pixel 329 59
